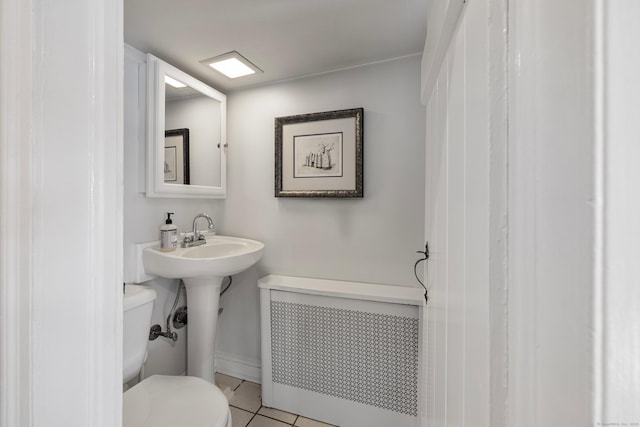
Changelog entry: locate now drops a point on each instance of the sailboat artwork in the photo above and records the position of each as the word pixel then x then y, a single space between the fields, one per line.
pixel 318 155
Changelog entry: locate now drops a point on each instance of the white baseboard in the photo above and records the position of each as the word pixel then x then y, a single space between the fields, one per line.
pixel 238 367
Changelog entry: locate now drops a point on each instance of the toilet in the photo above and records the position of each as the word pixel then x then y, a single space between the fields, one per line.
pixel 162 400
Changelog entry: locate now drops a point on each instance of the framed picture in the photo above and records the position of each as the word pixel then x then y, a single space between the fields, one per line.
pixel 319 154
pixel 176 156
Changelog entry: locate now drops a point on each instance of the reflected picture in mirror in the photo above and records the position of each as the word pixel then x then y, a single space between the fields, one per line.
pixel 176 156
pixel 186 108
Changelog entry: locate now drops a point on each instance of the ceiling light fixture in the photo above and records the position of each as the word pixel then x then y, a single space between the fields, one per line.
pixel 232 65
pixel 173 82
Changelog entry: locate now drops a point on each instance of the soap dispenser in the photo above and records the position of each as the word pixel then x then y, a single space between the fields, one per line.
pixel 168 235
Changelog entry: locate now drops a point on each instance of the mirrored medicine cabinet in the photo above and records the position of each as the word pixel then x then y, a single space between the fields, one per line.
pixel 186 135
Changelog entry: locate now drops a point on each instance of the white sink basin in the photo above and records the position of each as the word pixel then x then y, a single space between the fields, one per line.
pixel 202 268
pixel 220 256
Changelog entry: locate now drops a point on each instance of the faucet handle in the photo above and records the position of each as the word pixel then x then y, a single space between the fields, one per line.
pixel 186 239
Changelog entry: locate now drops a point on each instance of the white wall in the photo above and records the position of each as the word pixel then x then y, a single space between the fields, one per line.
pixel 60 213
pixel 573 299
pixel 617 299
pixel 619 296
pixel 552 212
pixel 465 224
pixel 372 239
pixel 143 216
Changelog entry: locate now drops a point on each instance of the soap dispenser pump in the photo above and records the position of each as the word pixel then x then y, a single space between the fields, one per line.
pixel 168 235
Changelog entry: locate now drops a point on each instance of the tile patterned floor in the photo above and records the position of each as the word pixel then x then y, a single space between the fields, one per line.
pixel 245 400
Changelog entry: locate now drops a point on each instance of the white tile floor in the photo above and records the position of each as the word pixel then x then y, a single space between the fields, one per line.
pixel 245 400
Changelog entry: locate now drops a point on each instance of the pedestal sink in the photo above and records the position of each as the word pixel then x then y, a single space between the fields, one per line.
pixel 202 268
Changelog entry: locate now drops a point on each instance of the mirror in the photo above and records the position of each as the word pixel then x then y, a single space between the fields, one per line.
pixel 186 135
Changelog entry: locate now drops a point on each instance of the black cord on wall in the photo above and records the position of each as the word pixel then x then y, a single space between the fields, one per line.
pixel 425 253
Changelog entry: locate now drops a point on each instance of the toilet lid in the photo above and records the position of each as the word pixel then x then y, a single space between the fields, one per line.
pixel 169 401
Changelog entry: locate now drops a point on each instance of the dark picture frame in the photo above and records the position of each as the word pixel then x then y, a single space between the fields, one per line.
pixel 176 156
pixel 320 154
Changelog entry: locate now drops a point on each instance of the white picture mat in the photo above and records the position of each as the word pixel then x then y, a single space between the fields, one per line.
pixel 347 127
pixel 177 142
pixel 170 164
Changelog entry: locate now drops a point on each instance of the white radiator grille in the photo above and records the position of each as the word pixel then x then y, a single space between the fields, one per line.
pixel 366 357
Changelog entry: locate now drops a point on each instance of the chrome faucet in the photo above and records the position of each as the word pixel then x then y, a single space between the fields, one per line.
pixel 211 226
pixel 196 238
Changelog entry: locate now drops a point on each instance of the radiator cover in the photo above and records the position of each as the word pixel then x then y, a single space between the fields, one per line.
pixel 343 353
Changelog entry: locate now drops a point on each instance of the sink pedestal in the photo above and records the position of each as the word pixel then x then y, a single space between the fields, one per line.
pixel 203 298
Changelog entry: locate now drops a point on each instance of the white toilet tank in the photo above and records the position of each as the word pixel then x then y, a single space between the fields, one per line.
pixel 138 306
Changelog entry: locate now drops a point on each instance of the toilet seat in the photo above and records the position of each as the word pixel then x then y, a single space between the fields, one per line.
pixel 169 401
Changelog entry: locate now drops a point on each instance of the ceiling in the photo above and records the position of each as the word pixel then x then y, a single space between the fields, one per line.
pixel 287 39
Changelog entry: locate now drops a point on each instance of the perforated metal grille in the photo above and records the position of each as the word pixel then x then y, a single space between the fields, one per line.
pixel 364 357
